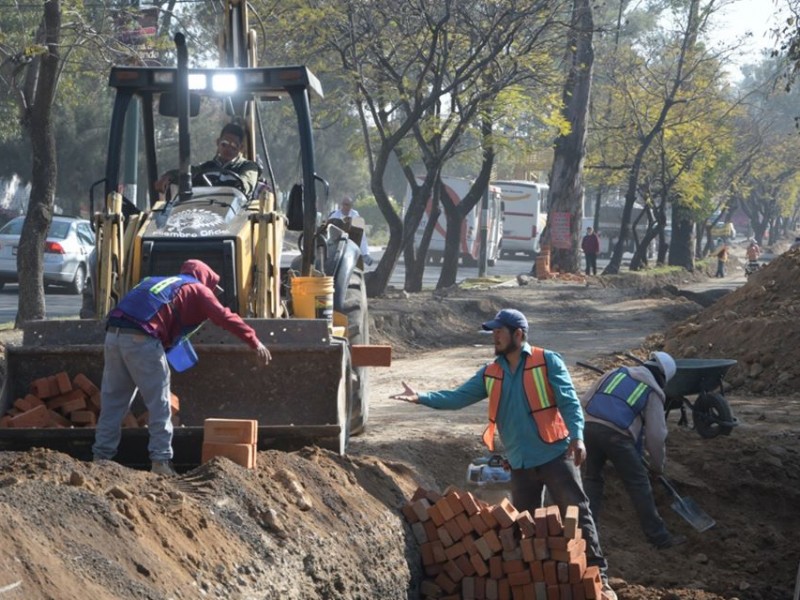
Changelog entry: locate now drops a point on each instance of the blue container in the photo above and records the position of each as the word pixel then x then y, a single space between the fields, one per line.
pixel 182 356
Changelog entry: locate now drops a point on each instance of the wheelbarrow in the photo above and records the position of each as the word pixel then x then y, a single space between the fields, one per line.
pixel 711 413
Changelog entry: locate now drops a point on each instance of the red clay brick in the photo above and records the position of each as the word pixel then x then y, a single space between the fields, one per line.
pixel 241 454
pixel 38 416
pixel 469 503
pixel 571 522
pixel 508 539
pixel 430 530
pixel 438 551
pixel 371 356
pixel 63 383
pixel 478 524
pixel 483 548
pixel 463 522
pixel 44 388
pixel 492 540
pixel 454 500
pixel 577 567
pixel 469 543
pixel 554 526
pixel 540 521
pixel 496 567
pixel 453 572
pixel 58 402
pixel 468 588
pixel 230 431
pixel 455 550
pixel 27 402
pixel 565 590
pixel 576 550
pixel 419 533
pixel 592 584
pixel 444 508
pixel 489 518
pixel 408 512
pixel 526 525
pixel 513 566
pixel 537 572
pixel 95 401
pixel 464 565
pixel 454 530
pixel 553 593
pixel 519 578
pixel 505 513
pixel 491 590
pixel 426 550
pixel 480 588
pixel 479 564
pixel 5 421
pixel 436 515
pixel 428 588
pixel 578 592
pixel 444 536
pixel 443 581
pixel 550 572
pixel 562 570
pixel 420 507
pixel 526 545
pixel 82 382
pixel 504 590
pixel 540 548
pixel 76 404
pixel 83 417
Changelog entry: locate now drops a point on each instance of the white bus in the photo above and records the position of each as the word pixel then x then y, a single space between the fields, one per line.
pixel 456 188
pixel 524 216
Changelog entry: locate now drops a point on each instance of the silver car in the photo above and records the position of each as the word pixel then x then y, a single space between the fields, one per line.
pixel 69 243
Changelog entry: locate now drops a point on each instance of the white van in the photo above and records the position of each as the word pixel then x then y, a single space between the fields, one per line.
pixel 524 216
pixel 456 188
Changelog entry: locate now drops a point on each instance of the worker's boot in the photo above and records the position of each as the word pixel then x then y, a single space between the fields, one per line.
pixel 671 542
pixel 607 593
pixel 163 467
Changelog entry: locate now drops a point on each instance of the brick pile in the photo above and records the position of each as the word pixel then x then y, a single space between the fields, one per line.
pixel 472 550
pixel 58 401
pixel 235 439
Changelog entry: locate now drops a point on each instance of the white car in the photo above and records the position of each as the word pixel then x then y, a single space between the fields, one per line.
pixel 69 243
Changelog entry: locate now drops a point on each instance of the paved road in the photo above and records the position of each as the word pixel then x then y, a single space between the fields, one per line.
pixel 60 304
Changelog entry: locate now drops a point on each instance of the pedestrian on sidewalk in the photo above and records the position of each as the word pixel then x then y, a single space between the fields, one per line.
pixel 722 258
pixel 624 413
pixel 590 244
pixel 534 406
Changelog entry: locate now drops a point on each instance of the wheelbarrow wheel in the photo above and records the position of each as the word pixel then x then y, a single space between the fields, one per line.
pixel 709 413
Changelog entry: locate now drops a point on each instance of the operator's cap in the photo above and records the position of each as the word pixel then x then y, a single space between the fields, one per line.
pixel 665 362
pixel 508 317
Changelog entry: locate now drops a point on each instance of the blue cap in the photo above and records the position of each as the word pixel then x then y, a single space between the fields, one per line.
pixel 508 317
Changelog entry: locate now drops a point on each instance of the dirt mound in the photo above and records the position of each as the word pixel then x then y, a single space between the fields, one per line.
pixel 303 525
pixel 756 325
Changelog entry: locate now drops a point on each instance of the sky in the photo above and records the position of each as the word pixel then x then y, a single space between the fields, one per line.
pixel 742 16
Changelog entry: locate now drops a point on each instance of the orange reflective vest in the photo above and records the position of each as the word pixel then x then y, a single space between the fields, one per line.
pixel 541 399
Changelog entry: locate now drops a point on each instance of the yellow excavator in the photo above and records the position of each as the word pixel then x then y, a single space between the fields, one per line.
pixel 315 388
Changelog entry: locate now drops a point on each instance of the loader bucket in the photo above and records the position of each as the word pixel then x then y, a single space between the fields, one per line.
pixel 301 397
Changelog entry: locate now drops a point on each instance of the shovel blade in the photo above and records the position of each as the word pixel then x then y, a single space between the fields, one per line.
pixel 687 508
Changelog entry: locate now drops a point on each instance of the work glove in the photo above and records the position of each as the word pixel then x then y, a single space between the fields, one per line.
pixel 263 354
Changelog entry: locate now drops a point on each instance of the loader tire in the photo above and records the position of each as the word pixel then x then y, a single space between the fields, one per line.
pixel 355 309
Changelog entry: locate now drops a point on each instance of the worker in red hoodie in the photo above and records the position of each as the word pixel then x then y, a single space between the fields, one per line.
pixel 150 318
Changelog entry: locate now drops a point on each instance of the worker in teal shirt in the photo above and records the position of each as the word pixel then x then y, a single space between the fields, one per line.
pixel 534 406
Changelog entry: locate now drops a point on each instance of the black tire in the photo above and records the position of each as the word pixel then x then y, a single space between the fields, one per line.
pixel 709 412
pixel 78 282
pixel 355 309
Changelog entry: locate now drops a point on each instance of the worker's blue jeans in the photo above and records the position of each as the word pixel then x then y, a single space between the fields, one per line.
pixel 134 360
pixel 606 444
pixel 563 481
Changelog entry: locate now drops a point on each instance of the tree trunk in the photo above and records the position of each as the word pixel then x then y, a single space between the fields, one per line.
pixel 681 248
pixel 37 120
pixel 566 177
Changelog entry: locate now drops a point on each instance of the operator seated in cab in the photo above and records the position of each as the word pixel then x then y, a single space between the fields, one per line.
pixel 228 167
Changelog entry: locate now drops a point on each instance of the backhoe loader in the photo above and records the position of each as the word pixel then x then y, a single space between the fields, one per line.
pixel 313 391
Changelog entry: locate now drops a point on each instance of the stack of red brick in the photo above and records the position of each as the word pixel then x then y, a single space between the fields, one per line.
pixel 473 550
pixel 235 439
pixel 57 401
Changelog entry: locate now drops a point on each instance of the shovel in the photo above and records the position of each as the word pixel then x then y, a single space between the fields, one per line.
pixel 687 508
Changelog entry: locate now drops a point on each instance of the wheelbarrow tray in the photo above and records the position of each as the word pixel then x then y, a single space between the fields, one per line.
pixel 697 375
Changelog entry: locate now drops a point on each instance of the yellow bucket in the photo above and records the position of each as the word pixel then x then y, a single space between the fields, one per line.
pixel 312 298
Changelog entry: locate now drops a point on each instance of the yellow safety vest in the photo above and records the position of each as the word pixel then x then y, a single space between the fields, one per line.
pixel 541 399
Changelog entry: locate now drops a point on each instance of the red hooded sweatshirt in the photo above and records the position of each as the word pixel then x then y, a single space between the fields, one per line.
pixel 193 304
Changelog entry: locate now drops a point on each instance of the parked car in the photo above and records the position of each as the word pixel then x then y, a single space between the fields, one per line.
pixel 69 243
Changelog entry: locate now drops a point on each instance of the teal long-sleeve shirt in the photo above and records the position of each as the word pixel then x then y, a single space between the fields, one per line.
pixel 524 447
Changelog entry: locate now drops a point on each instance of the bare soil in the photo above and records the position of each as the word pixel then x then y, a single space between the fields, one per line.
pixel 310 524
